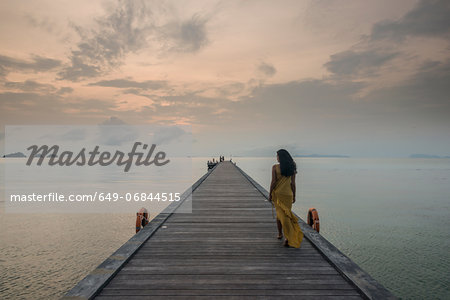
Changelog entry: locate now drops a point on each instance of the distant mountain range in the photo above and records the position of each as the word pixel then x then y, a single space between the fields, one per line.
pixel 427 156
pixel 20 154
pixel 320 155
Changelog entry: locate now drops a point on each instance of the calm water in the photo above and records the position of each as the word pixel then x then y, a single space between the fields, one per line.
pixel 390 216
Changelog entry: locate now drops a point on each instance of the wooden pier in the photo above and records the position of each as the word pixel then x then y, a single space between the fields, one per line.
pixel 226 249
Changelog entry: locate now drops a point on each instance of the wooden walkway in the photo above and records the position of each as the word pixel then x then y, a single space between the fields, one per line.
pixel 227 249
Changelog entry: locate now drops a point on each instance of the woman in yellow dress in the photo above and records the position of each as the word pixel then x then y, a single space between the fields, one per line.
pixel 282 195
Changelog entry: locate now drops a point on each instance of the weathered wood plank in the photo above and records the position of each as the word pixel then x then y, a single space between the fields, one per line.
pixel 226 270
pixel 230 292
pixel 234 297
pixel 188 285
pixel 247 278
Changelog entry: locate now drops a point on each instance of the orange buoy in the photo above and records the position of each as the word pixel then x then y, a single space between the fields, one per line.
pixel 141 219
pixel 313 219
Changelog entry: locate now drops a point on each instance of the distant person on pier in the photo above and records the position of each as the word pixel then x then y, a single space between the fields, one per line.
pixel 282 195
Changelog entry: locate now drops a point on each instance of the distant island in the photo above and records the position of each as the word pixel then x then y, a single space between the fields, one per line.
pixel 321 155
pixel 14 155
pixel 295 155
pixel 20 154
pixel 427 156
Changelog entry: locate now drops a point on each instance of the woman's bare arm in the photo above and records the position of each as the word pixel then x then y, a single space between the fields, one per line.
pixel 274 180
pixel 293 186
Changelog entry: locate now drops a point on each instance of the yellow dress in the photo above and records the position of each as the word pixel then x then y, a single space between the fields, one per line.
pixel 282 198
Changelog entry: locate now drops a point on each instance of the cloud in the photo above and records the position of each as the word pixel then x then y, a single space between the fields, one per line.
pixel 424 96
pixel 36 87
pixel 30 86
pixel 115 132
pixel 36 64
pixel 386 57
pixel 187 108
pixel 76 134
pixel 135 92
pixel 79 69
pixel 65 90
pixel 231 89
pixel 165 135
pixel 113 121
pixel 3 72
pixel 43 22
pixel 428 18
pixel 127 84
pixel 299 100
pixel 122 30
pixel 185 36
pixel 117 135
pixel 267 69
pixel 352 63
pixel 38 108
pixel 129 27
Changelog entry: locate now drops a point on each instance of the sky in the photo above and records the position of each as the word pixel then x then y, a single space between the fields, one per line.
pixel 343 77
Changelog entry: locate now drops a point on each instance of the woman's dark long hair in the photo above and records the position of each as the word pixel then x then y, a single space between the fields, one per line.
pixel 287 164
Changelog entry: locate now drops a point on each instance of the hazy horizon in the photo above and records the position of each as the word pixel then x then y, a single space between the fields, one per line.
pixel 312 155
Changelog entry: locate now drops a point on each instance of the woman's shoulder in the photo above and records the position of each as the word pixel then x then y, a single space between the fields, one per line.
pixel 275 166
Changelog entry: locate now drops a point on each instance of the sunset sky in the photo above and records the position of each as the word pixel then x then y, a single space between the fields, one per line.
pixel 358 78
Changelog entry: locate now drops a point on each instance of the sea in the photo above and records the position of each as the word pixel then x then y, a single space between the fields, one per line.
pixel 391 216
